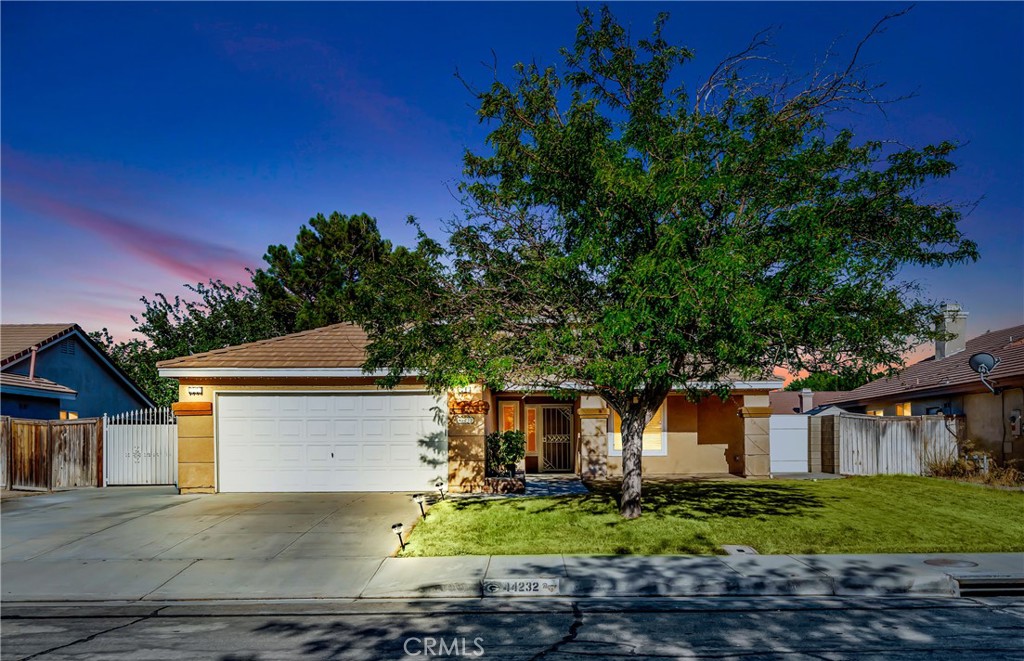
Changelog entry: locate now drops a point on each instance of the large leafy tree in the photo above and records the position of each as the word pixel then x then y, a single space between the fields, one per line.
pixel 215 316
pixel 844 380
pixel 629 234
pixel 315 283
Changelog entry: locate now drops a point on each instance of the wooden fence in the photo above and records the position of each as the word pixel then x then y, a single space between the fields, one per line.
pixel 51 454
pixel 878 445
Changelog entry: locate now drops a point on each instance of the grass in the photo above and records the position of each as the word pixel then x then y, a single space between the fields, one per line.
pixel 883 514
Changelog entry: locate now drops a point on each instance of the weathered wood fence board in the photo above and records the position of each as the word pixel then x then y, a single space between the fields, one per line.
pixel 877 445
pixel 5 434
pixel 51 454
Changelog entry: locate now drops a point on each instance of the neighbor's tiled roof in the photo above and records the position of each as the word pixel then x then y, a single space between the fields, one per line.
pixel 16 340
pixel 783 402
pixel 21 381
pixel 1006 344
pixel 340 345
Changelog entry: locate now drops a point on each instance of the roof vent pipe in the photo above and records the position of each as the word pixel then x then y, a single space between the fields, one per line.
pixel 32 364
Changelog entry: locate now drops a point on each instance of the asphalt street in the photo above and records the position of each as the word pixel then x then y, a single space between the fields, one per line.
pixel 714 628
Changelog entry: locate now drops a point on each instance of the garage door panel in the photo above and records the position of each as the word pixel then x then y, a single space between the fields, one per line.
pixel 286 442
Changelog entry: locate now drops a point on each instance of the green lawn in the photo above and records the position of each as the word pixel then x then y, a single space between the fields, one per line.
pixel 885 514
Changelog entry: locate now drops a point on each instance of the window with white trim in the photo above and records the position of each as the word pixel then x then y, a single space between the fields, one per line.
pixel 655 441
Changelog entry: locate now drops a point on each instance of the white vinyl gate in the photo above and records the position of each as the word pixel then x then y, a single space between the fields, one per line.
pixel 788 442
pixel 140 447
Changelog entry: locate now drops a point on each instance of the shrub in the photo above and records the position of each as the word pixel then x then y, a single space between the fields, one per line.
pixel 504 451
pixel 969 466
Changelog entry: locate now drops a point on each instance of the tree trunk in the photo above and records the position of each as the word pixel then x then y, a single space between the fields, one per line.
pixel 633 423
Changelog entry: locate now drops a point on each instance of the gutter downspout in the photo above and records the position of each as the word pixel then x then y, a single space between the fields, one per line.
pixel 32 364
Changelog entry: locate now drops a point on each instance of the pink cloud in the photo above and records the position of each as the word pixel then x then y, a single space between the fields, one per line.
pixel 192 258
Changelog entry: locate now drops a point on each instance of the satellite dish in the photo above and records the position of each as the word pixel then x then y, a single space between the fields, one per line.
pixel 983 364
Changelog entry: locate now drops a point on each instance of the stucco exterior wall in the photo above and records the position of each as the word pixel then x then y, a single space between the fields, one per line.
pixel 988 423
pixel 703 438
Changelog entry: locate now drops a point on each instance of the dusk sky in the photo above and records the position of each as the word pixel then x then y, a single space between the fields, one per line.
pixel 149 145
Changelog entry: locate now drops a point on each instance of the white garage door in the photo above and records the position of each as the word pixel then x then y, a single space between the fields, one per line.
pixel 334 442
pixel 788 442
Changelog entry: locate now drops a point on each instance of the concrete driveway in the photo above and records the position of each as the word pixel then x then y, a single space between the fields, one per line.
pixel 133 542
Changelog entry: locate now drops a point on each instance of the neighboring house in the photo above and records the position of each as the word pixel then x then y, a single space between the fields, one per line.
pixel 297 413
pixel 53 371
pixel 795 402
pixel 946 384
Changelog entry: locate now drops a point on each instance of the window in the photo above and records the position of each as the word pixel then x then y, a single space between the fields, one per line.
pixel 509 416
pixel 531 430
pixel 69 415
pixel 875 412
pixel 903 409
pixel 655 441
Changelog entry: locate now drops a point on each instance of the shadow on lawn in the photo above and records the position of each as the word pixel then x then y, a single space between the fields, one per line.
pixel 684 499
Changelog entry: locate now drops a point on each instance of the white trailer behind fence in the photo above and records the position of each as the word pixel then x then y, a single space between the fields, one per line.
pixel 140 447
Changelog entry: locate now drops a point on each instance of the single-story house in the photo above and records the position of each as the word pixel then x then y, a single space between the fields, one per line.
pixel 55 371
pixel 297 413
pixel 946 384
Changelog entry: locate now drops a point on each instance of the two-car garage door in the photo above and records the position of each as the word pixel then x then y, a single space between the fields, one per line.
pixel 329 442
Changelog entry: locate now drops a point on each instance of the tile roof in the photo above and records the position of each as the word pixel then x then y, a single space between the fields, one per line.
pixel 783 402
pixel 16 340
pixel 38 383
pixel 953 372
pixel 337 346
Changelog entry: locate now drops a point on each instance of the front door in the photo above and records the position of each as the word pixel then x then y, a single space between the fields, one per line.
pixel 556 438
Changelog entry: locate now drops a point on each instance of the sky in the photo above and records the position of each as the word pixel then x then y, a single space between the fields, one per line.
pixel 149 145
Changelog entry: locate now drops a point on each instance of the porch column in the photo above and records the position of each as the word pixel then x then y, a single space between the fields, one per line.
pixel 467 416
pixel 593 438
pixel 756 412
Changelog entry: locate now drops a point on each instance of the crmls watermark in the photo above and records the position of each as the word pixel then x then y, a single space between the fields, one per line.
pixel 429 646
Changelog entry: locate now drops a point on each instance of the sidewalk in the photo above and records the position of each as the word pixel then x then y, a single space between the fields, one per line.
pixel 502 577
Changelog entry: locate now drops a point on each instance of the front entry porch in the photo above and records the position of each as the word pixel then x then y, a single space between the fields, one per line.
pixel 551 430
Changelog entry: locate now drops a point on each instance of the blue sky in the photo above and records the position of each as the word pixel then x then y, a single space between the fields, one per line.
pixel 148 145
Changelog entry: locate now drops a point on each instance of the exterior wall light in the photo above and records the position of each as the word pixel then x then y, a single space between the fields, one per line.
pixel 195 390
pixel 418 499
pixel 397 529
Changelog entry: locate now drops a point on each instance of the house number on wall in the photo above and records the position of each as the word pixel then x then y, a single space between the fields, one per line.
pixel 464 420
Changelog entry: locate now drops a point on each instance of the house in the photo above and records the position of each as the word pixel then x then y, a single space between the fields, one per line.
pixel 52 371
pixel 297 413
pixel 946 384
pixel 795 402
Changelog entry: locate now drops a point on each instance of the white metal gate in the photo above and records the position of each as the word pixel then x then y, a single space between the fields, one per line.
pixel 140 447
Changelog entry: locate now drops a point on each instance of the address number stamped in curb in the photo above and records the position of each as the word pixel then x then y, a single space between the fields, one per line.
pixel 520 587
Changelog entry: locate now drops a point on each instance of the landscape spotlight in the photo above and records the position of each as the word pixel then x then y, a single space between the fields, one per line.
pixel 439 485
pixel 418 499
pixel 397 529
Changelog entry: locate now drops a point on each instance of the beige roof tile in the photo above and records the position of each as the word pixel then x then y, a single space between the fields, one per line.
pixel 953 371
pixel 38 383
pixel 337 346
pixel 18 339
